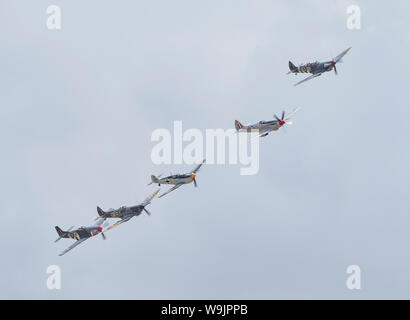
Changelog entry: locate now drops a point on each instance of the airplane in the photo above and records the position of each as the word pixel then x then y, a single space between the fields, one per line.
pixel 81 234
pixel 177 180
pixel 265 127
pixel 125 213
pixel 316 68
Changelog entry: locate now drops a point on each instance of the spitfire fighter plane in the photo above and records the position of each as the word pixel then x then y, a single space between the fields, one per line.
pixel 126 213
pixel 265 127
pixel 177 180
pixel 81 234
pixel 316 68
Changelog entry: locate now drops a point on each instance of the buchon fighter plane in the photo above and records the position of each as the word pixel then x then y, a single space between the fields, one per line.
pixel 81 234
pixel 126 213
pixel 177 180
pixel 265 127
pixel 316 68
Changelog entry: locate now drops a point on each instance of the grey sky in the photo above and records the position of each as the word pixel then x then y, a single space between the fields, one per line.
pixel 78 107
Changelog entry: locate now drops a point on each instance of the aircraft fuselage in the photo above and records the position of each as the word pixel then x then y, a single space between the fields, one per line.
pixel 125 211
pixel 177 179
pixel 262 126
pixel 83 232
pixel 315 67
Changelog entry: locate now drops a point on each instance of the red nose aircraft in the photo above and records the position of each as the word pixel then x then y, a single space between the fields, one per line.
pixel 81 234
pixel 265 127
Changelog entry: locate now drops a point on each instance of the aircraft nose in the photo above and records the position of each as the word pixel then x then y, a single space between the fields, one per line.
pixel 193 175
pixel 282 122
pixel 99 228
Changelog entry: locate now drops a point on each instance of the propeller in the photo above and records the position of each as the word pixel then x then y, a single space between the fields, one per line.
pixel 281 120
pixel 334 67
pixel 285 118
pixel 193 175
pixel 100 228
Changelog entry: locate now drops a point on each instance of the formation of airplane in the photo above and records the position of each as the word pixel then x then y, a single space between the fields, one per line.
pixel 124 213
pixel 265 127
pixel 316 68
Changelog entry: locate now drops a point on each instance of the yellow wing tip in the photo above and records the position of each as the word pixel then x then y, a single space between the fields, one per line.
pixel 155 194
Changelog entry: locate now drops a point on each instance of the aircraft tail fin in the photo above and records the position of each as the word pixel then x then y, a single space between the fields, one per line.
pixel 154 179
pixel 100 212
pixel 238 125
pixel 60 232
pixel 292 68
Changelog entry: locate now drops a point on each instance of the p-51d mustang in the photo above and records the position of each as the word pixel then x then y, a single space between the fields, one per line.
pixel 316 68
pixel 81 234
pixel 265 127
pixel 177 180
pixel 126 213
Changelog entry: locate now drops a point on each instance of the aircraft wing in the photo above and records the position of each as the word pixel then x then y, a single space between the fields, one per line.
pixel 309 78
pixel 72 246
pixel 127 218
pixel 198 167
pixel 265 131
pixel 340 56
pixel 170 190
pixel 149 199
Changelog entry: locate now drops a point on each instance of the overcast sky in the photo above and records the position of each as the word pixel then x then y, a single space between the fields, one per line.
pixel 79 105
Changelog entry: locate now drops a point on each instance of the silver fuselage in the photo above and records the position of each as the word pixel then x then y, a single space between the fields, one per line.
pixel 262 126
